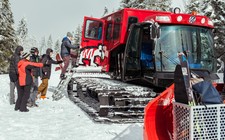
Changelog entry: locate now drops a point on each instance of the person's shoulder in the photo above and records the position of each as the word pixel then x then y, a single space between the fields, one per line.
pixel 23 61
pixel 65 39
pixel 44 55
pixel 15 57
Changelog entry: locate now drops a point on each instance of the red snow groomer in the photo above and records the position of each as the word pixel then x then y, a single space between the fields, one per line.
pixel 138 50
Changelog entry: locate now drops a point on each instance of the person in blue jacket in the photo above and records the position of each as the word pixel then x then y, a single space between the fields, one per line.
pixel 66 47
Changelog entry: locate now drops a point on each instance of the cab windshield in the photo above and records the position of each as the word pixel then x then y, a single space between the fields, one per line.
pixel 196 41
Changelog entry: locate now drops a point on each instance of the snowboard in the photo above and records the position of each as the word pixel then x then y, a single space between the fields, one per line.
pixel 187 79
pixel 58 58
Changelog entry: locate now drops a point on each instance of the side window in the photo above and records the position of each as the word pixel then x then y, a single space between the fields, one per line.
pixel 117 26
pixel 116 31
pixel 146 49
pixel 93 29
pixel 109 31
pixel 134 42
pixel 133 51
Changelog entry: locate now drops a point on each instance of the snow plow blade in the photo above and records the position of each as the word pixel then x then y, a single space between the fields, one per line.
pixel 158 119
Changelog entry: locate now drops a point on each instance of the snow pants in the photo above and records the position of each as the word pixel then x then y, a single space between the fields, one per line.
pixel 23 96
pixel 12 92
pixel 13 84
pixel 66 61
pixel 34 90
pixel 43 87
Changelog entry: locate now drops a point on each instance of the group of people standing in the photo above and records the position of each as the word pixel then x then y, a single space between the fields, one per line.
pixel 26 68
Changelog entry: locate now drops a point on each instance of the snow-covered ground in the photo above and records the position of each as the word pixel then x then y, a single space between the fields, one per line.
pixel 57 120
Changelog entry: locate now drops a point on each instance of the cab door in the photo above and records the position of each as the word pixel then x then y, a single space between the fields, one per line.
pixel 131 66
pixel 92 42
pixel 92 33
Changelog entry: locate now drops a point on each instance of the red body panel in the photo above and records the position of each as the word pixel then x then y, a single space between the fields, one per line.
pixel 158 121
pixel 145 15
pixel 118 23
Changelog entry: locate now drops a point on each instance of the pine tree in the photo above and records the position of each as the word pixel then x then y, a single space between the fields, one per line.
pixel 218 18
pixel 163 5
pixel 32 42
pixel 132 4
pixel 105 11
pixel 57 47
pixel 215 10
pixel 23 36
pixel 206 8
pixel 22 31
pixel 42 48
pixel 8 41
pixel 124 4
pixel 77 36
pixel 50 42
pixel 193 6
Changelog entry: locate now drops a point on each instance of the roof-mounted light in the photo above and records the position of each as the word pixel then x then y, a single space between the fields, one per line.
pixel 179 18
pixel 176 10
pixel 203 20
pixel 210 22
pixel 163 19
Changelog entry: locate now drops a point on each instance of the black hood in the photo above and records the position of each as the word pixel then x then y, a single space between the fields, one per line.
pixel 48 51
pixel 18 50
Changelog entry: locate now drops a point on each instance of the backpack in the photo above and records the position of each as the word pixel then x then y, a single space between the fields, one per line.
pixel 206 93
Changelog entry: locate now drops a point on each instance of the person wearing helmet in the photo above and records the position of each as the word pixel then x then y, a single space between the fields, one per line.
pixel 35 74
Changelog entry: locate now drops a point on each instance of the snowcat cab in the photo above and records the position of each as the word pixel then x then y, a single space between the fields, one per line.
pixel 154 59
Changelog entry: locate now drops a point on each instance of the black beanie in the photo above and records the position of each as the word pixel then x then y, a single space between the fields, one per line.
pixel 48 51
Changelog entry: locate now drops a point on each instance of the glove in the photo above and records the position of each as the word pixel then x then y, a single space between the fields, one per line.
pixel 59 62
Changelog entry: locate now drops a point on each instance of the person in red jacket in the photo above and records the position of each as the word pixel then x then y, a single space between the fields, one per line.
pixel 25 81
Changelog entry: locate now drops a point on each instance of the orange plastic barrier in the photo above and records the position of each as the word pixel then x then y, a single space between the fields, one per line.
pixel 158 121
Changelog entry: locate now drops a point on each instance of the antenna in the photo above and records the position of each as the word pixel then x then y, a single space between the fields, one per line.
pixel 105 11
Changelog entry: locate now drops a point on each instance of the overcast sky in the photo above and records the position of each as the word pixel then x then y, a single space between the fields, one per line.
pixel 57 17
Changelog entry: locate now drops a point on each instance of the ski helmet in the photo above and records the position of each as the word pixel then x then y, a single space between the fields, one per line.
pixel 33 50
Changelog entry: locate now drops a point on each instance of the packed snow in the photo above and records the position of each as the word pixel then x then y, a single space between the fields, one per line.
pixel 57 120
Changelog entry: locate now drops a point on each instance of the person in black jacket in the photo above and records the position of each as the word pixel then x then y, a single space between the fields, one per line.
pixel 46 72
pixel 35 74
pixel 66 47
pixel 13 73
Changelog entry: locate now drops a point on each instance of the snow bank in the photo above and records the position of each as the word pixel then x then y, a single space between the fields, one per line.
pixel 56 120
